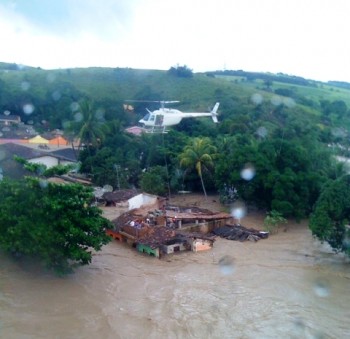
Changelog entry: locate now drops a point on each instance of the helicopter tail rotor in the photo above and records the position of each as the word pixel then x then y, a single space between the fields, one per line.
pixel 214 114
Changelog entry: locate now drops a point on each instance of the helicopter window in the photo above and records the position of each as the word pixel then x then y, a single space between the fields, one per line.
pixel 152 118
pixel 146 117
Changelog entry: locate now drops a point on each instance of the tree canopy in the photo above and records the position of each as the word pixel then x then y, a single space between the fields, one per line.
pixel 54 223
pixel 199 155
pixel 330 218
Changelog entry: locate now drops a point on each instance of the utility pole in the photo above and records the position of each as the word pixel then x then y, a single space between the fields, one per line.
pixel 117 168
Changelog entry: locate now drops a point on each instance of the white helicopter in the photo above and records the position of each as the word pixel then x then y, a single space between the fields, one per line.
pixel 158 120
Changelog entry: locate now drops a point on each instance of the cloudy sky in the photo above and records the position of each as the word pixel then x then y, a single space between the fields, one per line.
pixel 308 38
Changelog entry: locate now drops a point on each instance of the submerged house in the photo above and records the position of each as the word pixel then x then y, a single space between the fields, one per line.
pixel 168 229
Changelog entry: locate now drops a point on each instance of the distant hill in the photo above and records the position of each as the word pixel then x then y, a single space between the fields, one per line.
pixel 53 94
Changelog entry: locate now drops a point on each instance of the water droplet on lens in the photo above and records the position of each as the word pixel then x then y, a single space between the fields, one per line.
pixel 28 108
pixel 74 106
pixel 257 99
pixel 261 132
pixel 100 114
pixel 346 239
pixel 248 172
pixel 51 77
pixel 226 264
pixel 339 132
pixel 25 85
pixel 238 210
pixel 56 95
pixel 276 100
pixel 78 117
pixel 321 288
pixel 289 102
pixel 43 183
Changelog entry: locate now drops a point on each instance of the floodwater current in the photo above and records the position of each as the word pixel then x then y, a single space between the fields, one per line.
pixel 286 286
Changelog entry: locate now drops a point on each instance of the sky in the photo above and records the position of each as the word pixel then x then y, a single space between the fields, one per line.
pixel 308 38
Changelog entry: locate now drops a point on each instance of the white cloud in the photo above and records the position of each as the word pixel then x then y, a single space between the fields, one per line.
pixel 306 38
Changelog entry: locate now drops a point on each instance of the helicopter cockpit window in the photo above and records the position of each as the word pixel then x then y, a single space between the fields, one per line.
pixel 152 118
pixel 146 117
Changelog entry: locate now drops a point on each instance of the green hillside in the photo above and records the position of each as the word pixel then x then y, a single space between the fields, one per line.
pixel 56 90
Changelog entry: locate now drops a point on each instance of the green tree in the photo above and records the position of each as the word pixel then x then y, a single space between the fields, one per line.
pixel 154 181
pixel 331 215
pixel 273 220
pixel 89 123
pixel 199 154
pixel 53 223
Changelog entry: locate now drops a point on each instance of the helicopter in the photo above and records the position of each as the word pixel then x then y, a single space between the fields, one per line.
pixel 157 121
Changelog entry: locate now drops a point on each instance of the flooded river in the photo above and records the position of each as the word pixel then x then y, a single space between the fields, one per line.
pixel 287 286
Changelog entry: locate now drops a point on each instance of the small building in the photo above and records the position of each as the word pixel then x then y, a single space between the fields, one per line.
pixel 13 169
pixel 135 130
pixel 9 120
pixel 58 141
pixel 38 140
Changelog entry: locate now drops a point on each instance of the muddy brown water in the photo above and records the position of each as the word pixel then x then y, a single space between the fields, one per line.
pixel 287 286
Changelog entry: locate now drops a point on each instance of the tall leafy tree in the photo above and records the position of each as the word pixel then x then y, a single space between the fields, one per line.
pixel 90 125
pixel 53 223
pixel 332 213
pixel 198 155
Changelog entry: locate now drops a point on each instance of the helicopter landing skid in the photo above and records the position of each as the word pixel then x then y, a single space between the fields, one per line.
pixel 157 130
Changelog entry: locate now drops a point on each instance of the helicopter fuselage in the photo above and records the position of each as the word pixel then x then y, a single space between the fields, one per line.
pixel 168 117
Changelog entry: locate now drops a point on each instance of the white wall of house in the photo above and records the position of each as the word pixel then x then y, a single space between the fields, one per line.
pixel 49 161
pixel 45 160
pixel 141 199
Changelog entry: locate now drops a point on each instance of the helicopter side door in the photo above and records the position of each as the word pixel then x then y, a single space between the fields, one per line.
pixel 159 120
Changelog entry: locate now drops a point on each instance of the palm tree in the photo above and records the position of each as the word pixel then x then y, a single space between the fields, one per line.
pixel 199 155
pixel 90 131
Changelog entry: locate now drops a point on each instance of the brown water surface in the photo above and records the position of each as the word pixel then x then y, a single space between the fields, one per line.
pixel 287 286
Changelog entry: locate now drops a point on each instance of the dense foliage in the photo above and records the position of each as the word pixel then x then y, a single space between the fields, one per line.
pixel 330 219
pixel 54 223
pixel 275 145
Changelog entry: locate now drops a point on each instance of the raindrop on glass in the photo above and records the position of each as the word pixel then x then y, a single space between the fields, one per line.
pixel 227 265
pixel 257 99
pixel 248 172
pixel 107 188
pixel 238 210
pixel 100 114
pixel 339 132
pixel 276 100
pixel 25 85
pixel 346 239
pixel 321 288
pixel 66 124
pixel 28 108
pixel 289 102
pixel 261 132
pixel 74 106
pixel 51 77
pixel 43 183
pixel 56 95
pixel 78 117
pixel 2 155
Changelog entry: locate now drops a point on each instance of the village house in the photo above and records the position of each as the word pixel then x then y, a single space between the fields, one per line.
pixel 159 229
pixel 9 120
pixel 13 169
